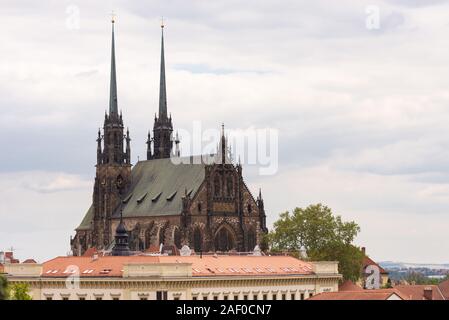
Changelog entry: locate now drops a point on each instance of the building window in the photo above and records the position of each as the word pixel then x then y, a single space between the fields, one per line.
pixel 284 296
pixel 215 297
pixel 292 296
pixel 224 240
pixel 177 238
pixel 199 207
pixel 245 297
pixel 217 184
pixel 82 298
pixel 236 297
pixel 197 240
pixel 265 297
pixel 195 298
pixel 274 296
pixel 49 298
pixel 255 297
pixel 98 298
pixel 176 298
pixel 251 235
pixel 230 187
pixel 161 295
pixel 225 297
pixel 65 298
pixel 115 298
pixel 143 298
pixel 204 297
pixel 302 295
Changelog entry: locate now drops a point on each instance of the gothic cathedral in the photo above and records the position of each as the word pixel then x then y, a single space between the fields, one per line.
pixel 205 205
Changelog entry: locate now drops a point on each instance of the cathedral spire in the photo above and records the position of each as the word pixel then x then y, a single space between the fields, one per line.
pixel 113 108
pixel 163 128
pixel 162 88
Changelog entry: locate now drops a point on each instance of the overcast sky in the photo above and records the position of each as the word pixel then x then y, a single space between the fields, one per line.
pixel 362 113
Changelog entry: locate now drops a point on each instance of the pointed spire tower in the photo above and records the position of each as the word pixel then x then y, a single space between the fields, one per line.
pixel 113 104
pixel 113 169
pixel 113 123
pixel 163 128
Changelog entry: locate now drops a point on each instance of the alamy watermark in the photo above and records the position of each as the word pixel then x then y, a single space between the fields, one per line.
pixel 252 146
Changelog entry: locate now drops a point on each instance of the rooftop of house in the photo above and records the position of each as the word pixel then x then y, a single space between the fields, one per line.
pixel 205 265
pixel 380 294
pixel 421 292
pixel 348 285
pixel 444 288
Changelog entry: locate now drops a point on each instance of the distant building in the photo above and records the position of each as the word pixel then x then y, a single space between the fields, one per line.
pixel 444 288
pixel 421 292
pixel 407 292
pixel 162 277
pixel 375 294
pixel 373 275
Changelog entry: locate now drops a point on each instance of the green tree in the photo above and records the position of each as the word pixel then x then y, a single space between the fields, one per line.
pixel 19 291
pixel 323 235
pixel 3 288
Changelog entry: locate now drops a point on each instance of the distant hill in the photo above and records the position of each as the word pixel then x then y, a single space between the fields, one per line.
pixel 390 265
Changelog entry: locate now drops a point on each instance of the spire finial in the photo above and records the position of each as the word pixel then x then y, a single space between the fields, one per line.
pixel 162 22
pixel 223 144
pixel 113 16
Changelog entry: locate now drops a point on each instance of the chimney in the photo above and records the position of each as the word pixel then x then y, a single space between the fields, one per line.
pixel 363 251
pixel 428 293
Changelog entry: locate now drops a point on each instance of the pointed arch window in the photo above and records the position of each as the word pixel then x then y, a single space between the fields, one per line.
pixel 197 240
pixel 251 236
pixel 230 186
pixel 177 238
pixel 224 240
pixel 217 185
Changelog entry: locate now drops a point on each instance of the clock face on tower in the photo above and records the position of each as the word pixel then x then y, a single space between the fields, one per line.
pixel 119 182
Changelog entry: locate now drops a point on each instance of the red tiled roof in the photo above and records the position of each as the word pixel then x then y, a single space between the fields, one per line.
pixel 416 292
pixel 348 285
pixel 153 249
pixel 201 266
pixel 29 261
pixel 381 294
pixel 444 288
pixel 367 261
pixel 90 252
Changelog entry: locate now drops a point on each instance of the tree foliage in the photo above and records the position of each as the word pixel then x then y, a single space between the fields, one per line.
pixel 323 235
pixel 19 291
pixel 3 288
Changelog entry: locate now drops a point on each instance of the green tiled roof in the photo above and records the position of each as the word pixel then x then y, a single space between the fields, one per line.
pixel 157 189
pixel 88 217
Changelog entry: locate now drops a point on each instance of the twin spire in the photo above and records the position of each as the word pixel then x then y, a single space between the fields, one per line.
pixel 162 88
pixel 113 105
pixel 162 130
